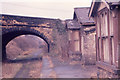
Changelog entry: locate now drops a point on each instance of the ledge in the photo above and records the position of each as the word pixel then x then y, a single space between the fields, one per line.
pixel 108 67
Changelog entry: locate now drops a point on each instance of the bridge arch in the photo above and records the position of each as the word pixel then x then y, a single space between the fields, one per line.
pixel 11 33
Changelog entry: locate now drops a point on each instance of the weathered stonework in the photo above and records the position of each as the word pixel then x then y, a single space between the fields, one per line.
pixel 47 29
pixel 88 45
pixel 89 50
pixel 105 74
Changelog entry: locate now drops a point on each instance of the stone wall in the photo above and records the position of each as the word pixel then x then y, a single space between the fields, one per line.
pixel 60 40
pixel 105 74
pixel 88 45
pixel 52 30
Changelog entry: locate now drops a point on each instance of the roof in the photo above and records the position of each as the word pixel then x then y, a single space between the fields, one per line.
pixel 72 24
pixel 113 2
pixel 82 15
pixel 95 3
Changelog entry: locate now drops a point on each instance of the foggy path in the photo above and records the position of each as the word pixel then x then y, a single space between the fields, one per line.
pixel 49 67
pixel 28 67
pixel 54 68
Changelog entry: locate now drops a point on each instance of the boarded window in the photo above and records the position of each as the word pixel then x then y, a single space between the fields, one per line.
pixel 69 35
pixel 104 24
pixel 113 54
pixel 77 46
pixel 82 44
pixel 76 36
pixel 106 50
pixel 98 27
pixel 76 41
pixel 111 23
pixel 99 49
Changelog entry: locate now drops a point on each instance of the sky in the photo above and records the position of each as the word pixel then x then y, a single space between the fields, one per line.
pixel 62 9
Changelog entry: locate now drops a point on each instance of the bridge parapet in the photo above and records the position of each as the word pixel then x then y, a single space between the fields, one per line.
pixel 41 26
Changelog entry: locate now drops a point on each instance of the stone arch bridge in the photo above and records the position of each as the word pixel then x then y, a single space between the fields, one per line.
pixel 45 28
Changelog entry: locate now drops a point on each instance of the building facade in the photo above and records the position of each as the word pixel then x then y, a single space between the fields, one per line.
pixel 106 15
pixel 81 37
pixel 87 37
pixel 74 47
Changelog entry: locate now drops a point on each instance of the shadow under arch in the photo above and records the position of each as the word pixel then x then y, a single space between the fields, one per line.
pixel 11 33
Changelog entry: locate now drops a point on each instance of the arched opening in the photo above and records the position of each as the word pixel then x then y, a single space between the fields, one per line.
pixel 13 33
pixel 25 47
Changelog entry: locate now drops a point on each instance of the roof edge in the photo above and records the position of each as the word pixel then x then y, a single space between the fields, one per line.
pixel 80 7
pixel 94 3
pixel 91 8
